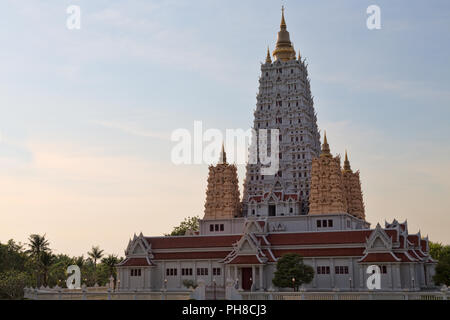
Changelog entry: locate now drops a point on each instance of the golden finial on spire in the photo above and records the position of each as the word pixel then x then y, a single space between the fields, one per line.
pixel 223 155
pixel 284 50
pixel 283 22
pixel 325 146
pixel 347 163
pixel 299 56
pixel 268 58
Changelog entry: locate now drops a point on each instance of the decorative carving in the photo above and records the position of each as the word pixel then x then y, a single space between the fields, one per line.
pixel 327 193
pixel 353 192
pixel 222 193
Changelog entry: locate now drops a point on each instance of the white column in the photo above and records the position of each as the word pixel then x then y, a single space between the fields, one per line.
pixel 163 274
pixel 332 275
pixel 210 272
pixel 361 275
pixel 397 275
pixel 179 273
pixel 314 265
pixel 253 277
pixel 261 278
pixel 390 276
pixel 350 271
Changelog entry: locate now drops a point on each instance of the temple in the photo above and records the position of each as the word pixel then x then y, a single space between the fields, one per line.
pixel 312 206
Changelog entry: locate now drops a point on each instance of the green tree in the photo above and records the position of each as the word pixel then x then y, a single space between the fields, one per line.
pixel 110 263
pixel 442 275
pixel 38 245
pixel 12 257
pixel 46 262
pixel 12 284
pixel 292 272
pixel 189 223
pixel 437 249
pixel 95 254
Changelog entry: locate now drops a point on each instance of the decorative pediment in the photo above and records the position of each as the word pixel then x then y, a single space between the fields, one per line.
pixel 278 227
pixel 139 247
pixel 378 241
pixel 255 226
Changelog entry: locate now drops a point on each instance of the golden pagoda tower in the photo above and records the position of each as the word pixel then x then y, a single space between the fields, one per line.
pixel 222 193
pixel 353 192
pixel 327 194
pixel 284 49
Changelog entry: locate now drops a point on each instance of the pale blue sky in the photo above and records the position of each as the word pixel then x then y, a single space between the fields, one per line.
pixel 85 115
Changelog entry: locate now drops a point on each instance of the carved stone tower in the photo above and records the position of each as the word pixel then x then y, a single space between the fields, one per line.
pixel 222 194
pixel 327 185
pixel 352 185
pixel 284 102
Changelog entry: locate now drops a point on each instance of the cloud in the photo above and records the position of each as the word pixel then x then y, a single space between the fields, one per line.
pixel 133 129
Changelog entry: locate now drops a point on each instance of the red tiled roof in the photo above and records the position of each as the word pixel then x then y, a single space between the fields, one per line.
pixel 329 252
pixel 256 198
pixel 339 237
pixel 192 241
pixel 414 254
pixel 245 260
pixel 135 262
pixel 423 245
pixel 287 196
pixel 379 257
pixel 414 239
pixel 269 256
pixel 403 257
pixel 190 255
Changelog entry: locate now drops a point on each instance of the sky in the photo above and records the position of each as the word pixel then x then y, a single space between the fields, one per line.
pixel 86 115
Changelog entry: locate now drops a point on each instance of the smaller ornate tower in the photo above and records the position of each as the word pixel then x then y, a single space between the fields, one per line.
pixel 222 194
pixel 352 185
pixel 327 186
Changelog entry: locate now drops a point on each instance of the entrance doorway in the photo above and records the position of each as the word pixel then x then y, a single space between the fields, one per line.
pixel 247 279
pixel 272 210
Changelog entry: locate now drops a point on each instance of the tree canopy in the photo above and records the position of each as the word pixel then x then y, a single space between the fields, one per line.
pixel 441 253
pixel 189 223
pixel 34 264
pixel 292 272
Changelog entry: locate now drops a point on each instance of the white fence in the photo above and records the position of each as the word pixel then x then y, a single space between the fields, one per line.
pixel 104 293
pixel 375 295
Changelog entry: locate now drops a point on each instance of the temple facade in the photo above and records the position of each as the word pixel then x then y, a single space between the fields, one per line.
pixel 312 206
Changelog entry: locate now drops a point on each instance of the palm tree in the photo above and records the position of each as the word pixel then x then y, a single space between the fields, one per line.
pixel 38 245
pixel 95 254
pixel 79 261
pixel 111 261
pixel 46 261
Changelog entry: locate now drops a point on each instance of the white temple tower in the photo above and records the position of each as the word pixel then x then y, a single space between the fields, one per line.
pixel 284 102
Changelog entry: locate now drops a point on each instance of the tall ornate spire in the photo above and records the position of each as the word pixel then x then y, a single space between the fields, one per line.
pixel 325 146
pixel 353 192
pixel 299 56
pixel 268 58
pixel 347 163
pixel 284 50
pixel 222 193
pixel 223 155
pixel 283 22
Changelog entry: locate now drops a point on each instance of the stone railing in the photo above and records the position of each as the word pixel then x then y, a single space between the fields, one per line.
pixel 103 293
pixel 231 293
pixel 375 295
